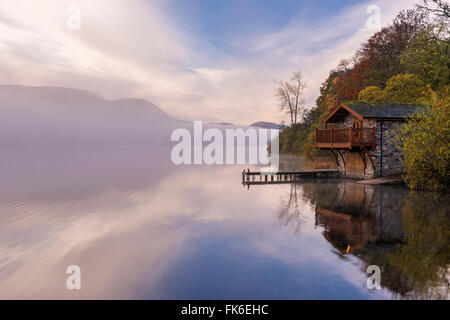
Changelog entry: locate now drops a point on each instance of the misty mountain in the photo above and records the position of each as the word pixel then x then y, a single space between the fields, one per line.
pixel 266 125
pixel 222 123
pixel 53 115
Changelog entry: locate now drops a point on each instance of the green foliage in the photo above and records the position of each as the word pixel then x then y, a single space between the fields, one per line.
pixel 371 94
pixel 429 57
pixel 405 88
pixel 310 152
pixel 299 139
pixel 425 144
pixel 402 88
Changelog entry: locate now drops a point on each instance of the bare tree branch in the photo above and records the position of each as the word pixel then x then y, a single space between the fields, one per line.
pixel 289 94
pixel 438 7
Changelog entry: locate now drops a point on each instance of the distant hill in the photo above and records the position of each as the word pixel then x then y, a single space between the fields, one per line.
pixel 222 123
pixel 266 125
pixel 67 116
pixel 55 115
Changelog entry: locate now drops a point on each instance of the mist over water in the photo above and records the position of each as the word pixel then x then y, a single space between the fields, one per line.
pixel 95 187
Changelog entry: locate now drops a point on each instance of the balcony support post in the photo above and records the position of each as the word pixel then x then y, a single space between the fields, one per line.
pixel 335 157
pixel 343 161
pixel 370 158
pixel 331 138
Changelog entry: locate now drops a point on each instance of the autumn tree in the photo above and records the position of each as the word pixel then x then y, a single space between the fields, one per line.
pixel 352 81
pixel 406 62
pixel 379 58
pixel 328 98
pixel 384 48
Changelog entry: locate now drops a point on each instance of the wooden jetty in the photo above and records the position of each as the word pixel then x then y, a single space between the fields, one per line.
pixel 256 178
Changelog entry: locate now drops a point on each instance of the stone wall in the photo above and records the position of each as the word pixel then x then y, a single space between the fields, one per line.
pixel 388 159
pixel 392 158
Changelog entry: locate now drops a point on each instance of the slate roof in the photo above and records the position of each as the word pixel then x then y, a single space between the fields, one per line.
pixel 375 110
pixel 384 110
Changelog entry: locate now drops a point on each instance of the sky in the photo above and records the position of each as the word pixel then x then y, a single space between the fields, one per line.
pixel 210 60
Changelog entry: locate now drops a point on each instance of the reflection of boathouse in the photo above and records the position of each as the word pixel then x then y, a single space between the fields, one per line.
pixel 356 218
pixel 385 226
pixel 346 231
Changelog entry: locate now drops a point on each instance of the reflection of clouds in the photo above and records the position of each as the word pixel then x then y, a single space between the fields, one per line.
pixel 125 241
pixel 48 245
pixel 41 240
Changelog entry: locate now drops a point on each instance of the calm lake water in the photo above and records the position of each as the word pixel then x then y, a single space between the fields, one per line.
pixel 141 228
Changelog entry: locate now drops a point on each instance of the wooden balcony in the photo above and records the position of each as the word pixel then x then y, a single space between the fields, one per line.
pixel 339 138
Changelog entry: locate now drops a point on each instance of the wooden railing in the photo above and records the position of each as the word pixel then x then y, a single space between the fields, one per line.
pixel 345 138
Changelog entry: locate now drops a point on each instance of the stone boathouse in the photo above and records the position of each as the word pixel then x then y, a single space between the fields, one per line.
pixel 361 136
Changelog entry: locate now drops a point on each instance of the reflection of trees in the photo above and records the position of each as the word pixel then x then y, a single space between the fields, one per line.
pixel 424 259
pixel 418 267
pixel 289 213
pixel 321 194
pixel 406 234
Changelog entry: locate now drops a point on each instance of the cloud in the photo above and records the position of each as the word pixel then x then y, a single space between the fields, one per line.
pixel 118 42
pixel 136 49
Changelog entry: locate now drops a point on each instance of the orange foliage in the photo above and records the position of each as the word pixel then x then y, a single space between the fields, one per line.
pixel 352 81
